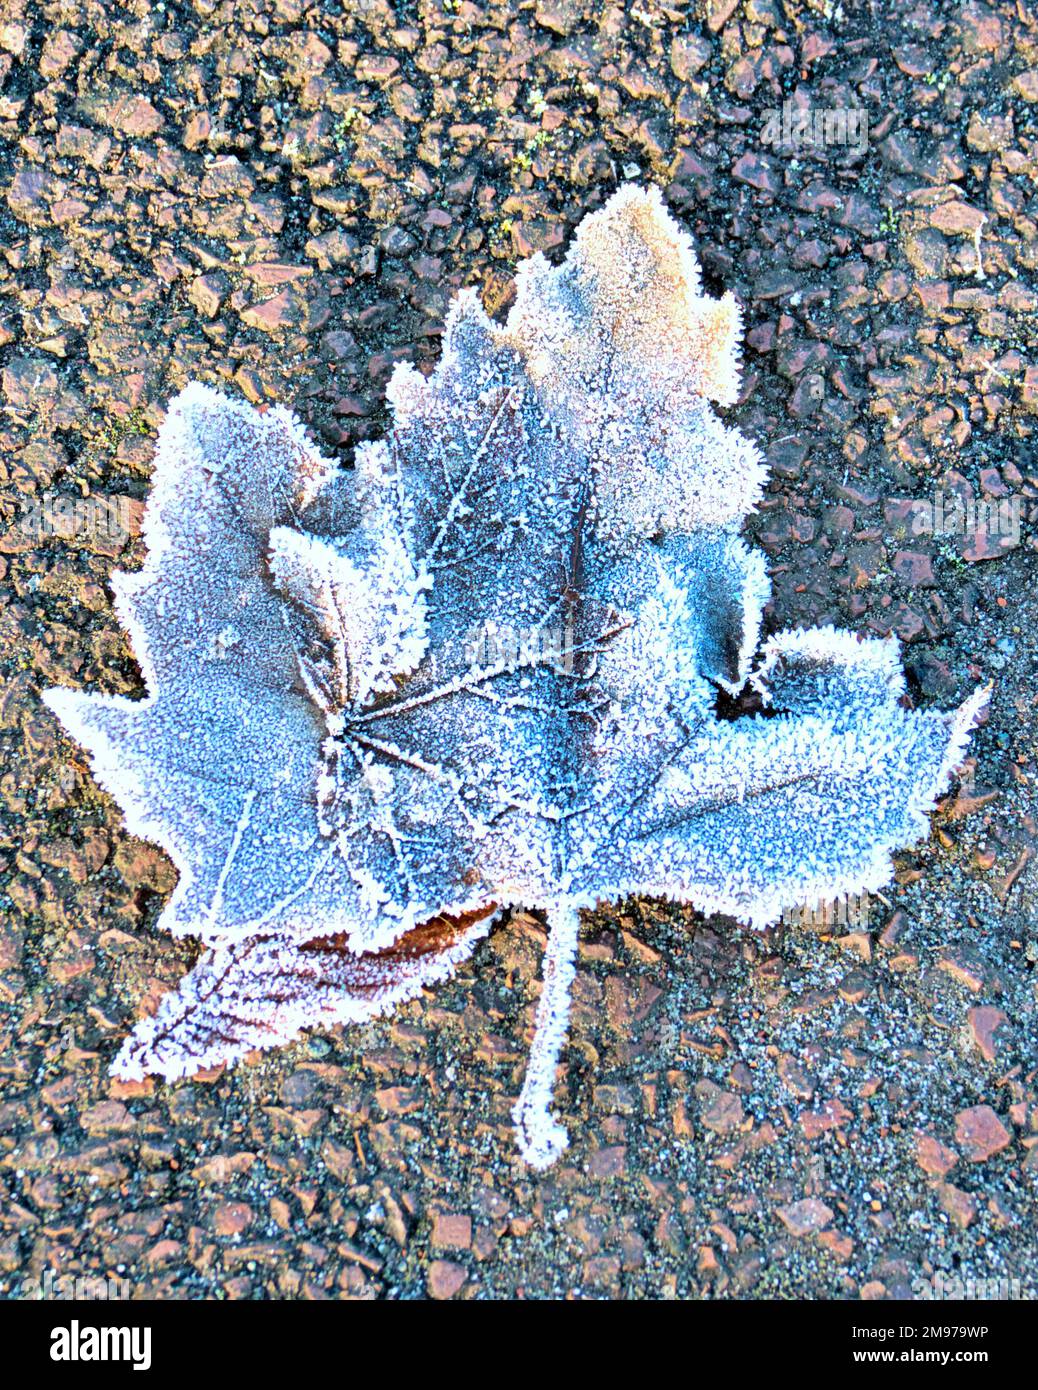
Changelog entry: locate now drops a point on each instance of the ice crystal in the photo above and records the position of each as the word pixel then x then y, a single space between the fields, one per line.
pixel 480 669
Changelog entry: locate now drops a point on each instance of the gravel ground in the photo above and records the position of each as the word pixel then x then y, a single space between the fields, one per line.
pixel 281 198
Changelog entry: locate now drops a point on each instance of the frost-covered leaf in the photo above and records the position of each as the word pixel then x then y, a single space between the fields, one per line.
pixel 260 991
pixel 482 668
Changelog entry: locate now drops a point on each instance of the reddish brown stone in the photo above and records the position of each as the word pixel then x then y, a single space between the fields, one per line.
pixel 934 1157
pixel 451 1231
pixel 980 1134
pixel 806 1217
pixel 913 567
pixel 207 293
pixel 720 1111
pixel 608 1162
pixel 984 1024
pixel 840 1246
pixel 758 172
pixel 273 315
pixel 232 1218
pixel 445 1279
pixel 134 116
pixel 961 1206
pixel 963 968
pixel 832 1114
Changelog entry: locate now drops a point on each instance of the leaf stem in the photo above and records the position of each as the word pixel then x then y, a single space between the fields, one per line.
pixel 541 1138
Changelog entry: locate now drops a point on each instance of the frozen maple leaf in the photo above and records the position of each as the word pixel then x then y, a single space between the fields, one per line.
pixel 481 670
